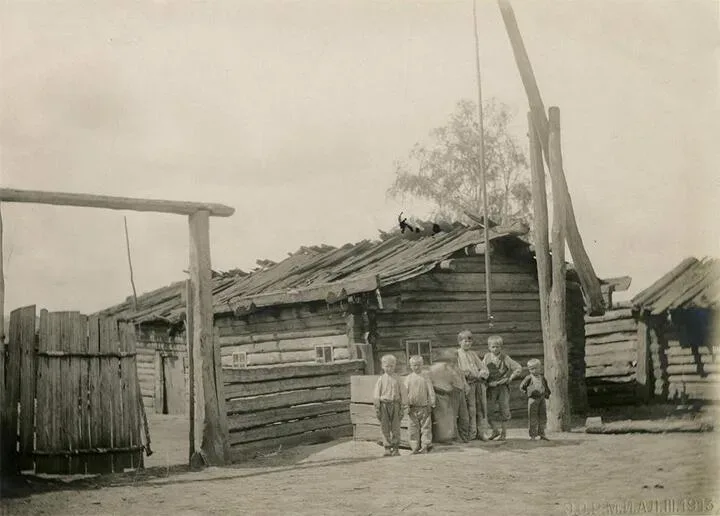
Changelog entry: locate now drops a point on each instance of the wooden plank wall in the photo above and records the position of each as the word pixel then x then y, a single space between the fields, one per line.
pixel 287 405
pixel 284 335
pixel 611 357
pixel 682 371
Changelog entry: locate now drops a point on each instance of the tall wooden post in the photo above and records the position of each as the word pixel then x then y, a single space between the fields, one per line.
pixel 583 265
pixel 556 350
pixel 540 222
pixel 207 376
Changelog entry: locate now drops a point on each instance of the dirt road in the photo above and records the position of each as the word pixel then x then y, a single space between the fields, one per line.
pixel 573 474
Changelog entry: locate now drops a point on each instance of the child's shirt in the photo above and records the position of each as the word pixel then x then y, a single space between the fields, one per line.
pixel 535 383
pixel 500 367
pixel 420 392
pixel 388 388
pixel 470 364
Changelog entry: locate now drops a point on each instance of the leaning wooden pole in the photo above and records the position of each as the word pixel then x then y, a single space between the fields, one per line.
pixel 210 441
pixel 4 451
pixel 540 225
pixel 556 349
pixel 590 283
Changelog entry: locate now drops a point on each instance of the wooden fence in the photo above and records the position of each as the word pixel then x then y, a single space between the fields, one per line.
pixel 272 406
pixel 612 355
pixel 72 401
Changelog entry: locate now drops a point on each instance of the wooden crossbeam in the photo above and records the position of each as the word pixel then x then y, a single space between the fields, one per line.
pixel 113 203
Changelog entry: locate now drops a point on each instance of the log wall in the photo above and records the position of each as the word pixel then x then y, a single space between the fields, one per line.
pixel 683 368
pixel 286 405
pixel 284 335
pixel 439 304
pixel 611 353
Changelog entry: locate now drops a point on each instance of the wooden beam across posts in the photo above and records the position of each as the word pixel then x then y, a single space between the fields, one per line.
pixel 583 265
pixel 540 218
pixel 210 442
pixel 113 203
pixel 556 349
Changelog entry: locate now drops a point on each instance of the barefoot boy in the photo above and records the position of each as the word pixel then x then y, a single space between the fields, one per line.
pixel 476 373
pixel 502 370
pixel 537 390
pixel 420 402
pixel 389 400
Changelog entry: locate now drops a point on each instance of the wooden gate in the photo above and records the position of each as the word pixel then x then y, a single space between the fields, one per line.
pixel 73 401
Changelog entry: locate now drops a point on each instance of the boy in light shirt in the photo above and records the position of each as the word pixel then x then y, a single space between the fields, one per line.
pixel 420 402
pixel 389 400
pixel 476 373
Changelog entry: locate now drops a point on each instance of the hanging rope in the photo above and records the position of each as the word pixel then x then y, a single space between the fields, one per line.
pixel 488 293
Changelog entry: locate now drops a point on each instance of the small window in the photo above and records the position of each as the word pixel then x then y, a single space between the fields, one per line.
pixel 239 359
pixel 420 347
pixel 324 354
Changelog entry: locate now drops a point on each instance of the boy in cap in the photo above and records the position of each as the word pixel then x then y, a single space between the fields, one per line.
pixel 537 390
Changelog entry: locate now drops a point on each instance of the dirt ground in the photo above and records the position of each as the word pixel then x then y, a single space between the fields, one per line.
pixel 574 473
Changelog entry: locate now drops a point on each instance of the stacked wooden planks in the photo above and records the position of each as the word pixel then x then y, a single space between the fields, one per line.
pixel 611 354
pixel 287 405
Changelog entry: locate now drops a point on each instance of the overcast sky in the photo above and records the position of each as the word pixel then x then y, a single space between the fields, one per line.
pixel 293 113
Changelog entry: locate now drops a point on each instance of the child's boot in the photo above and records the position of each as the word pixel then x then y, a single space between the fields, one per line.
pixel 495 434
pixel 503 433
pixel 395 452
pixel 388 452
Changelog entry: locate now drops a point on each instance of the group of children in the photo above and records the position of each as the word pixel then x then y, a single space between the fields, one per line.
pixel 486 386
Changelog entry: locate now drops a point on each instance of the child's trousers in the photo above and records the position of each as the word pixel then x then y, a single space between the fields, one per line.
pixel 461 411
pixel 498 398
pixel 389 414
pixel 420 427
pixel 537 417
pixel 477 408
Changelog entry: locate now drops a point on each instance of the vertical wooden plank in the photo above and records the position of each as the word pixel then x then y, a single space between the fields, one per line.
pixel 159 383
pixel 132 395
pixel 96 463
pixel 79 376
pixel 643 364
pixel 3 422
pixel 69 389
pixel 43 393
pixel 556 356
pixel 122 422
pixel 109 371
pixel 27 387
pixel 189 333
pixel 12 395
pixel 209 438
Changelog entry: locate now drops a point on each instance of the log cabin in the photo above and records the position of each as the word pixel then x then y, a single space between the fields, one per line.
pixel 405 294
pixel 660 346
